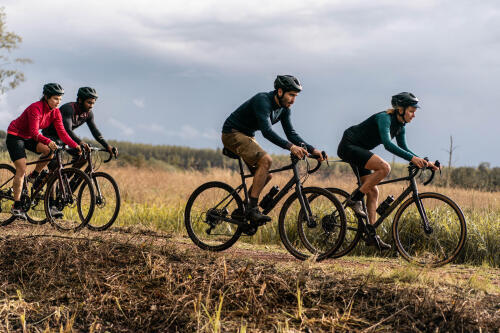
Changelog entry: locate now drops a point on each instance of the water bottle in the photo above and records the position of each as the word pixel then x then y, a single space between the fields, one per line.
pixel 382 208
pixel 268 198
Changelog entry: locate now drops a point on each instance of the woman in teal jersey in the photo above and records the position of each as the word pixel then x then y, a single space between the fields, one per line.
pixel 357 142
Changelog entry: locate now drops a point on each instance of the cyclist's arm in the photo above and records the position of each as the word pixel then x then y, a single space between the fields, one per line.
pixel 290 132
pixel 67 119
pixel 262 112
pixel 401 140
pixel 95 132
pixel 61 131
pixel 384 125
pixel 34 115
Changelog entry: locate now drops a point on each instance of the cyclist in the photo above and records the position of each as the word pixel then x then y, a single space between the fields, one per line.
pixel 355 147
pixel 23 133
pixel 75 114
pixel 259 113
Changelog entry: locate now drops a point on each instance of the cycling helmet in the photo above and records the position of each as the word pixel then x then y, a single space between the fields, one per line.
pixel 404 99
pixel 287 83
pixel 86 93
pixel 53 89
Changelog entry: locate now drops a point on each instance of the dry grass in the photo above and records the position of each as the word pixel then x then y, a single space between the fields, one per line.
pixel 155 199
pixel 131 281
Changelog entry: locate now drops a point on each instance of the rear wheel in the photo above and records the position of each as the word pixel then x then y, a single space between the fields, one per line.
pixel 7 173
pixel 325 232
pixel 205 210
pixel 354 229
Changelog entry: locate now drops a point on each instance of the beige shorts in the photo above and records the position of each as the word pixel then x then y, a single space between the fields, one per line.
pixel 244 146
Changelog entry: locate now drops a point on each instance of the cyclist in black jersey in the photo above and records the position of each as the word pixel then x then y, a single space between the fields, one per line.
pixel 357 142
pixel 75 114
pixel 259 113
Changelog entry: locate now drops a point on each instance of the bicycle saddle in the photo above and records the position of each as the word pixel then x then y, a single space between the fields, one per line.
pixel 229 153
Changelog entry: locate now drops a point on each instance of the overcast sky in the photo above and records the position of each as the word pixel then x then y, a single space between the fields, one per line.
pixel 170 72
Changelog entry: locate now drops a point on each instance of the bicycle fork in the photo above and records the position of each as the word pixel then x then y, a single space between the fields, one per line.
pixel 421 210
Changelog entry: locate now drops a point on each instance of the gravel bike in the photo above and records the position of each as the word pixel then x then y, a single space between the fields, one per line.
pixel 215 214
pixel 429 228
pixel 60 205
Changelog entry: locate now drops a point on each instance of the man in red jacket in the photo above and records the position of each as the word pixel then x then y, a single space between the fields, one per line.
pixel 23 133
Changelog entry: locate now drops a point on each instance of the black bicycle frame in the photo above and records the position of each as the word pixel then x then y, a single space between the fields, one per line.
pixel 295 180
pixel 410 189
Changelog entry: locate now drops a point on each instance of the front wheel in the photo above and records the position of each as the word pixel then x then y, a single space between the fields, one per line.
pixel 107 201
pixel 325 231
pixel 441 242
pixel 64 210
pixel 205 210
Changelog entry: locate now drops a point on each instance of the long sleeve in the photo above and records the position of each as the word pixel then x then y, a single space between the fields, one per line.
pixel 34 118
pixel 290 132
pixel 95 132
pixel 67 119
pixel 265 126
pixel 401 140
pixel 61 132
pixel 384 125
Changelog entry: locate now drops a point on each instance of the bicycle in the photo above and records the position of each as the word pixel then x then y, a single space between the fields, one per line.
pixel 215 214
pixel 108 199
pixel 417 229
pixel 55 192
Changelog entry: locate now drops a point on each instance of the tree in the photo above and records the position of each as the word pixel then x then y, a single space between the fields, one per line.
pixel 9 76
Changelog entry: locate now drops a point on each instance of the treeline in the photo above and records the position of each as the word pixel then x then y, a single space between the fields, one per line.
pixel 483 177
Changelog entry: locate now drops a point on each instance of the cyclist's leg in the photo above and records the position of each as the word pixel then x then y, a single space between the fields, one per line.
pixel 43 149
pixel 15 146
pixel 371 200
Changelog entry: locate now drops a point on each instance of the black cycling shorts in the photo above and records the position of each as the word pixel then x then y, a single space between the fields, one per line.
pixel 354 155
pixel 17 145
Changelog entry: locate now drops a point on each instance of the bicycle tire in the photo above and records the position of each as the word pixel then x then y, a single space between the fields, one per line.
pixel 101 201
pixel 354 230
pixel 7 199
pixel 193 215
pixel 419 250
pixel 68 208
pixel 294 243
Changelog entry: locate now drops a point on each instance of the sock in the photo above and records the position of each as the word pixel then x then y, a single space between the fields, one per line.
pixel 371 230
pixel 253 202
pixel 34 174
pixel 17 204
pixel 357 195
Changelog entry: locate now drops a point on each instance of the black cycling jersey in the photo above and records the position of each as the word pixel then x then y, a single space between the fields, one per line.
pixel 73 117
pixel 259 113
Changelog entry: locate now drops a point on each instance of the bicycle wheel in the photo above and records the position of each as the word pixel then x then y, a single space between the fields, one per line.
pixel 63 209
pixel 203 213
pixel 322 238
pixel 36 212
pixel 354 229
pixel 442 243
pixel 107 201
pixel 7 173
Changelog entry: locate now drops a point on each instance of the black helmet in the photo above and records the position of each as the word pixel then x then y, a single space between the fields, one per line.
pixel 404 99
pixel 53 89
pixel 86 93
pixel 287 83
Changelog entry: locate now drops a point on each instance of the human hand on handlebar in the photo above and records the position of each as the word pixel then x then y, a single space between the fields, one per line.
pixel 52 145
pixel 298 151
pixel 420 162
pixel 322 155
pixel 112 151
pixel 433 166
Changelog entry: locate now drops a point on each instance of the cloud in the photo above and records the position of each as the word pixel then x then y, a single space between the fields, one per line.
pixel 125 130
pixel 138 102
pixel 186 132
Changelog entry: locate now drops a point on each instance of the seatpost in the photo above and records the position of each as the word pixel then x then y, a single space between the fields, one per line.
pixel 242 174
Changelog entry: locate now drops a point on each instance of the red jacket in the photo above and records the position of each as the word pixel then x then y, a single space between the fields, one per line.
pixel 36 117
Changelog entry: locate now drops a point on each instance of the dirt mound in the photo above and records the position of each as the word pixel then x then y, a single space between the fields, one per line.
pixel 116 283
